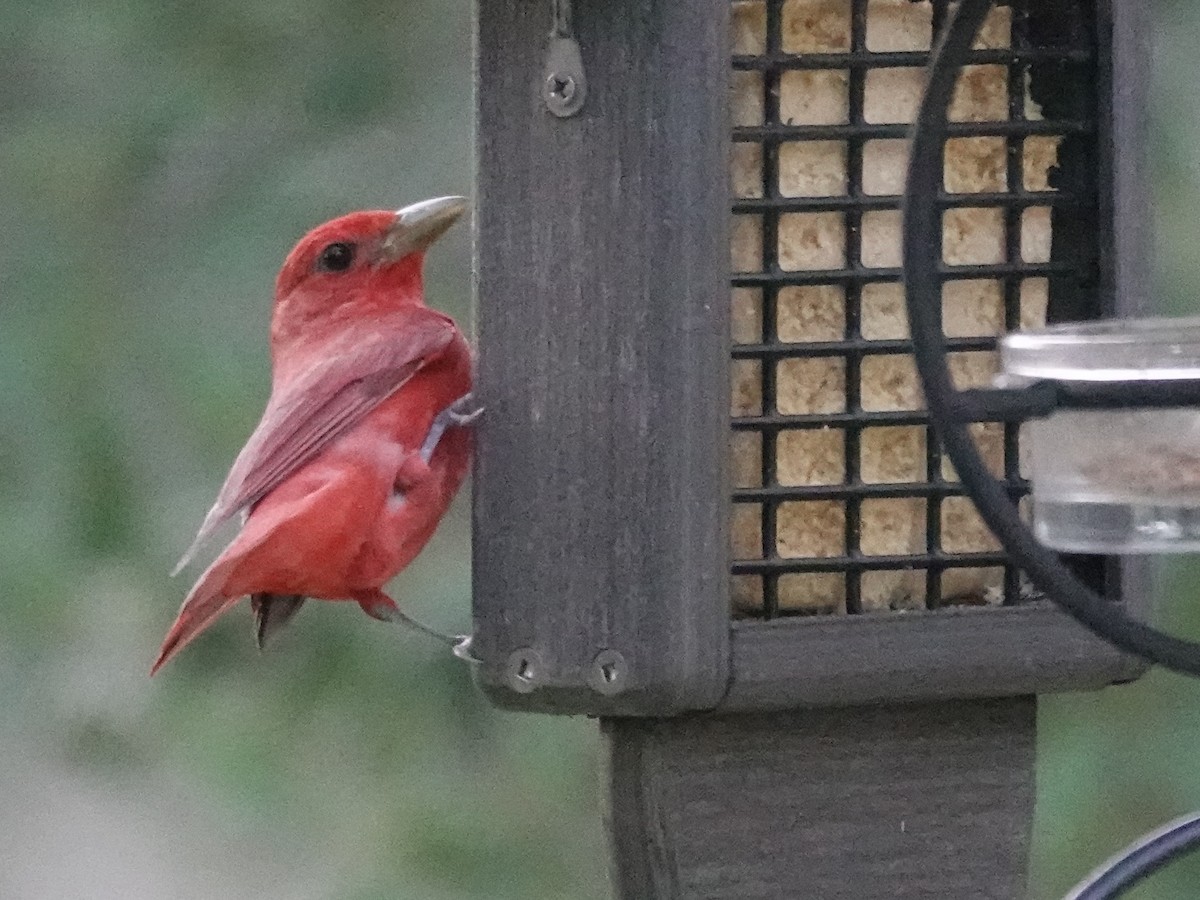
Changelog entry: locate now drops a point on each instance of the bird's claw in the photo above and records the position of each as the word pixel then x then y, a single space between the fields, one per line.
pixel 464 411
pixel 463 648
pixel 460 413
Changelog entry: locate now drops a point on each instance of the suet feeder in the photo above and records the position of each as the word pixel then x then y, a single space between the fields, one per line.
pixel 711 503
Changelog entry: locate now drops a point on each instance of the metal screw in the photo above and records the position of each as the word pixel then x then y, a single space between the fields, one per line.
pixel 524 670
pixel 561 87
pixel 564 84
pixel 609 673
pixel 561 91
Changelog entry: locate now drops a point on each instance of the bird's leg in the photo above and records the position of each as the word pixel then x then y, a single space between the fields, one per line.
pixel 378 605
pixel 460 413
pixel 272 612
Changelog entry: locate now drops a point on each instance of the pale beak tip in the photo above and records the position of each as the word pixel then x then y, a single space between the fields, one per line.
pixel 419 225
pixel 439 208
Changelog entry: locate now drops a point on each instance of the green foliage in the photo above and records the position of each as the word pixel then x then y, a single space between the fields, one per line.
pixel 158 161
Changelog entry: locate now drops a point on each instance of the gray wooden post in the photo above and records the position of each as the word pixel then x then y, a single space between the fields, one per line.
pixel 600 560
pixel 835 756
pixel 871 803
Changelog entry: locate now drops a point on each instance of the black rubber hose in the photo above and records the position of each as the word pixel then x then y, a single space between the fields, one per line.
pixel 1140 861
pixel 922 256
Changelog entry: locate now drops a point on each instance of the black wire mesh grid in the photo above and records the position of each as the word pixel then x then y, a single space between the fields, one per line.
pixel 1051 75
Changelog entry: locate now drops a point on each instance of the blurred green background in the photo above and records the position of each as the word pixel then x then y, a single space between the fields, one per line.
pixel 157 161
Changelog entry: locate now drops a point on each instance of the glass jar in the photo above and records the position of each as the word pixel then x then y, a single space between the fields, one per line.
pixel 1121 480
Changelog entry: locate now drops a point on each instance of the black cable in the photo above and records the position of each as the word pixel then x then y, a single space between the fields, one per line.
pixel 922 240
pixel 1140 860
pixel 1046 397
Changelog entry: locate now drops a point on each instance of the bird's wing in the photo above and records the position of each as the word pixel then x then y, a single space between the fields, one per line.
pixel 303 418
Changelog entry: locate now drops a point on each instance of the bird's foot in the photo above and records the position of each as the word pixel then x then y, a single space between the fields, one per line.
pixel 464 649
pixel 464 411
pixel 459 414
pixel 379 605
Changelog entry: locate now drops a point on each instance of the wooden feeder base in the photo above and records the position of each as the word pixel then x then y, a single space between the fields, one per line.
pixel 875 803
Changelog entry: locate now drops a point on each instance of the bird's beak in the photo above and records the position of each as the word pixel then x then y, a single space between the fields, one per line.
pixel 419 225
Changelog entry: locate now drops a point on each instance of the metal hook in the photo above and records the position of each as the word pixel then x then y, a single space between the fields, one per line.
pixel 562 19
pixel 564 85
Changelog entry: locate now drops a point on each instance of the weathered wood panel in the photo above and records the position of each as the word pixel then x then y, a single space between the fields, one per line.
pixel 919 656
pixel 921 802
pixel 602 308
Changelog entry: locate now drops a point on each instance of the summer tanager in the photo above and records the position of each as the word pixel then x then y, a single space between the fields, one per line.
pixel 363 442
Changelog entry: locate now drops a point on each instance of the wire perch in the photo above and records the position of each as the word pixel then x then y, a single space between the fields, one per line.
pixel 922 238
pixel 1140 860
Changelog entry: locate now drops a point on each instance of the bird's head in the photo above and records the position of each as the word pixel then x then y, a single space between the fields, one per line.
pixel 356 266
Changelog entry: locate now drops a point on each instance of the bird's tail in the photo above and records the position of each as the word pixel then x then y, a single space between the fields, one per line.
pixel 204 603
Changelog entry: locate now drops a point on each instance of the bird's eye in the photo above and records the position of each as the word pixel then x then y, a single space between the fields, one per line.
pixel 336 258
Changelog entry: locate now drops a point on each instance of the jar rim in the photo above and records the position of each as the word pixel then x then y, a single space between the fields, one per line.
pixel 1150 330
pixel 1107 350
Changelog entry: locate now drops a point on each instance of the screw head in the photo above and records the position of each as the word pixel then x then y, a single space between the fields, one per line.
pixel 562 93
pixel 561 87
pixel 609 673
pixel 524 670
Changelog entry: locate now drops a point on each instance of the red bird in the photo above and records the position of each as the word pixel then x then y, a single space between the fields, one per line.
pixel 363 442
